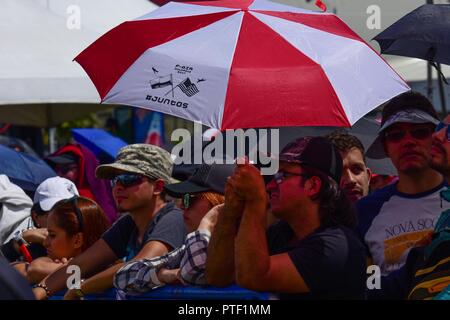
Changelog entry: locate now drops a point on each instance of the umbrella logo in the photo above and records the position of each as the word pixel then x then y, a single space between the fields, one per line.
pixel 161 82
pixel 187 87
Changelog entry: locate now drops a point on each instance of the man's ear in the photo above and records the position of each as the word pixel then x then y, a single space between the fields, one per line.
pixel 369 174
pixel 158 186
pixel 313 186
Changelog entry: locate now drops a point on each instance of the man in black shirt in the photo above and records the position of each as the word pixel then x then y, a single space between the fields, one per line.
pixel 312 252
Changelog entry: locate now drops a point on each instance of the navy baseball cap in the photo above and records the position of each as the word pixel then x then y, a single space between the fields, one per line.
pixel 316 152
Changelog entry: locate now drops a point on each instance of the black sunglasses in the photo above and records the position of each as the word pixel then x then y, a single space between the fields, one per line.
pixel 420 133
pixel 282 175
pixel 127 180
pixel 188 200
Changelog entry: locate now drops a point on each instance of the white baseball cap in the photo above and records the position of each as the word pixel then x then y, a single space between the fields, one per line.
pixel 53 190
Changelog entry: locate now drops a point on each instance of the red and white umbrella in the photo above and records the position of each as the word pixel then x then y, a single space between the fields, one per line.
pixel 241 64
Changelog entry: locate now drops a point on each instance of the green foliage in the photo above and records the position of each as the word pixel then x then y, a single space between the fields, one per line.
pixel 63 134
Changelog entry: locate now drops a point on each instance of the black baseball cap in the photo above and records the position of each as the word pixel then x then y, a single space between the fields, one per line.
pixel 65 158
pixel 315 152
pixel 207 177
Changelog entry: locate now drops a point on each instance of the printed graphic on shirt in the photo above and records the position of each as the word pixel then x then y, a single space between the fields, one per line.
pixel 400 223
pixel 396 248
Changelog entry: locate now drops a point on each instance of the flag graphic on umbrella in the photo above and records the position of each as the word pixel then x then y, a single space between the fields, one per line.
pixel 161 82
pixel 187 87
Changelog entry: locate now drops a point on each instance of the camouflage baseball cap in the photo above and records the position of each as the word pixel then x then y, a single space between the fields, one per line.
pixel 145 159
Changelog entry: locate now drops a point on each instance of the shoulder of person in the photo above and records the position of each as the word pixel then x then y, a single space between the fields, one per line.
pixel 123 220
pixel 331 233
pixel 378 196
pixel 170 211
pixel 334 237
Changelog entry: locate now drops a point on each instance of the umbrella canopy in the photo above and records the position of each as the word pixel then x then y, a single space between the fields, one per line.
pixel 241 64
pixel 423 33
pixel 104 145
pixel 22 169
pixel 13 142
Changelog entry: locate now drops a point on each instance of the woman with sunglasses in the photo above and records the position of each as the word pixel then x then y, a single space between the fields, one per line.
pixel 202 201
pixel 73 226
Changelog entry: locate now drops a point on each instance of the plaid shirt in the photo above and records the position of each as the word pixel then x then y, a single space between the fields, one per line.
pixel 140 276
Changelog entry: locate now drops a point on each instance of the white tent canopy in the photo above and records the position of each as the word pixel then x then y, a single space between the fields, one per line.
pixel 40 38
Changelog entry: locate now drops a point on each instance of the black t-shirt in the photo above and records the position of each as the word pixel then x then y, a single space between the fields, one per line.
pixel 331 261
pixel 167 226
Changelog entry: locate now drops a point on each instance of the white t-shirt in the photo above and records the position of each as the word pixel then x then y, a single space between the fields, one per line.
pixel 391 223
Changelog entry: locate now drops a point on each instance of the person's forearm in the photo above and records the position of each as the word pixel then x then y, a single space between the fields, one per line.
pixel 168 276
pixel 220 258
pixel 93 260
pixel 251 246
pixel 39 269
pixel 101 281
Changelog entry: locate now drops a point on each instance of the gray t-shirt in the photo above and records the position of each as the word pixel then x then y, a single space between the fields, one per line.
pixel 167 227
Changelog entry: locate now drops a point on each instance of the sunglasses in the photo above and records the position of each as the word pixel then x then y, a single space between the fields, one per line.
pixel 420 133
pixel 188 200
pixel 441 126
pixel 282 175
pixel 74 201
pixel 127 180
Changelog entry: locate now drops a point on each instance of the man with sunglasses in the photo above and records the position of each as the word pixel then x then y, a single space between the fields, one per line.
pixel 202 195
pixel 397 217
pixel 149 226
pixel 312 252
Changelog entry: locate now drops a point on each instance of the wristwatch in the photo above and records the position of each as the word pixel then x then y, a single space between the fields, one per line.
pixel 18 237
pixel 79 292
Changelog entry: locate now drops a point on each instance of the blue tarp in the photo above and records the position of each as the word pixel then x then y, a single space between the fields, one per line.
pixel 171 292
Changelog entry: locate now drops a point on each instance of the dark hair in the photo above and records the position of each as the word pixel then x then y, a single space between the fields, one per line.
pixel 36 208
pixel 335 208
pixel 344 142
pixel 408 100
pixel 94 220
